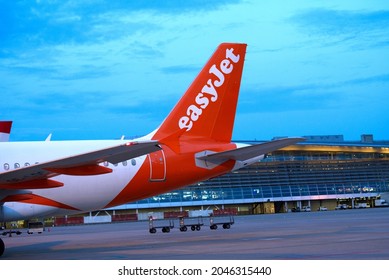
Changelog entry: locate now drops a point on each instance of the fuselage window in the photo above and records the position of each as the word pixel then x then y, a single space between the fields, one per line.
pixel 124 163
pixel 26 164
pixel 17 165
pixel 6 166
pixel 133 162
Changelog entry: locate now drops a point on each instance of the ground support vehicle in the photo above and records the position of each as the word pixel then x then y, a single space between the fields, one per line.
pixel 341 207
pixel 194 223
pixel 381 203
pixel 165 225
pixel 360 205
pixel 226 221
pixel 35 227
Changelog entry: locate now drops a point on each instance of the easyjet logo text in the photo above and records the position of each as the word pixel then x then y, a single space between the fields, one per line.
pixel 209 91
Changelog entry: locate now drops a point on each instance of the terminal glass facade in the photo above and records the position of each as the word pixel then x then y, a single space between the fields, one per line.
pixel 298 172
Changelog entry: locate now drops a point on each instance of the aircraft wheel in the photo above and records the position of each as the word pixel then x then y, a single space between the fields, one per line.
pixel 198 228
pixel 2 247
pixel 193 228
pixel 153 230
pixel 166 229
pixel 226 226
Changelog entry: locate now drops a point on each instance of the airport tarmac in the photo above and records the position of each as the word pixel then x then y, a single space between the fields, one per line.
pixel 354 234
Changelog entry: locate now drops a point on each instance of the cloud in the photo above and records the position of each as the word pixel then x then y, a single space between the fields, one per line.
pixel 179 69
pixel 366 27
pixel 317 96
pixel 98 60
pixel 53 22
pixel 337 22
pixel 384 78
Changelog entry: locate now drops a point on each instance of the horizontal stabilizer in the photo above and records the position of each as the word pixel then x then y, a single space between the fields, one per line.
pixel 246 153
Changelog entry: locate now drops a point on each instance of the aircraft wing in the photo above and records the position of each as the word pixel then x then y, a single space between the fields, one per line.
pixel 245 153
pixel 38 176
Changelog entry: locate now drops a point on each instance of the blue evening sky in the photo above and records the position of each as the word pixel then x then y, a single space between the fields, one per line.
pixel 102 69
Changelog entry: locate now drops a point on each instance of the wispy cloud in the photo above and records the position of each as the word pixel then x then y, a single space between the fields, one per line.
pixel 367 27
pixel 320 96
pixel 100 61
pixel 53 22
pixel 179 69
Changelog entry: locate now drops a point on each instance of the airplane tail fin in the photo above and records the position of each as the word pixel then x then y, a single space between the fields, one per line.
pixel 5 130
pixel 207 109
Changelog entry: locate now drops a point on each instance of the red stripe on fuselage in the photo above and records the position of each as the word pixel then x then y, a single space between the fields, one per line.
pixel 36 199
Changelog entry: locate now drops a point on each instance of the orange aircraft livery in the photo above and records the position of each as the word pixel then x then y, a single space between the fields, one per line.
pixel 193 143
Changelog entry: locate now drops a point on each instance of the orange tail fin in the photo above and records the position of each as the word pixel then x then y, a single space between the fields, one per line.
pixel 207 109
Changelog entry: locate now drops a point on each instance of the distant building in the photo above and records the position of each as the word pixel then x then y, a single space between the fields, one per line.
pixel 322 171
pixel 325 138
pixel 367 138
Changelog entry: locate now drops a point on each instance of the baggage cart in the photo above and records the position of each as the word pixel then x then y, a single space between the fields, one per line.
pixel 195 223
pixel 226 221
pixel 165 225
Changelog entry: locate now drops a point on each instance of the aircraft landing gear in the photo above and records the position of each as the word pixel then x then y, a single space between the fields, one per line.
pixel 5 233
pixel 2 247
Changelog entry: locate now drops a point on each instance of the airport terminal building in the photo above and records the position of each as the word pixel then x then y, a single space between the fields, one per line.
pixel 324 171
